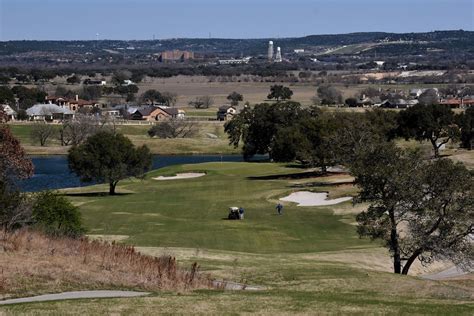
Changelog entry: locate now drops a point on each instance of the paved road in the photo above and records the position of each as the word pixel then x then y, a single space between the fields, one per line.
pixel 226 285
pixel 73 295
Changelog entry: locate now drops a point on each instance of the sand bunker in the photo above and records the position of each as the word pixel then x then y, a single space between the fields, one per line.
pixel 306 198
pixel 187 175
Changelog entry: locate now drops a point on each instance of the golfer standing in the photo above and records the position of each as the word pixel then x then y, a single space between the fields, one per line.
pixel 241 213
pixel 279 208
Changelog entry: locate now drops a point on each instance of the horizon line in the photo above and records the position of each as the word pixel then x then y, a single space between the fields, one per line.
pixel 233 38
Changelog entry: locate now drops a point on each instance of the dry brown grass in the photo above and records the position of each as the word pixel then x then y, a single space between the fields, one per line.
pixel 31 262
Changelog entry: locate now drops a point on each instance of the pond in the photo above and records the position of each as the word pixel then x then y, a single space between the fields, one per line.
pixel 52 172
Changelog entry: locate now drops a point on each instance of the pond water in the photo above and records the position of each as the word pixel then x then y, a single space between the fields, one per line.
pixel 52 172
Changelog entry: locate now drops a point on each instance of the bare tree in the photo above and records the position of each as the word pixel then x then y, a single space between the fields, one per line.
pixel 76 131
pixel 169 98
pixel 174 128
pixel 41 132
pixel 202 102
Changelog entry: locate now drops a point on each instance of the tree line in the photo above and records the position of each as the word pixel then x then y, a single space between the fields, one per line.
pixel 419 208
pixel 318 138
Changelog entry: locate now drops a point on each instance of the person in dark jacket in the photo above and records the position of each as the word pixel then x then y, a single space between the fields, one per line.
pixel 279 209
pixel 241 213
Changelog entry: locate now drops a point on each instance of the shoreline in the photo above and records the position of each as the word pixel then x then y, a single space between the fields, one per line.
pixel 41 155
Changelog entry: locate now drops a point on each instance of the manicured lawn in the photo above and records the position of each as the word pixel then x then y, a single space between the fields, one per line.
pixel 191 213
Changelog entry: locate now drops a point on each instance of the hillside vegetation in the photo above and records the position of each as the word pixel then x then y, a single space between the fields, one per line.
pixel 33 263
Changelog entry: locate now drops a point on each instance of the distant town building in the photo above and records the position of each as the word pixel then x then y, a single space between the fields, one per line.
pixel 95 82
pixel 175 55
pixel 379 63
pixel 298 51
pixel 127 82
pixel 234 61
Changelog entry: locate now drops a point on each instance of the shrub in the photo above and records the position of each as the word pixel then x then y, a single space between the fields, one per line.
pixel 55 215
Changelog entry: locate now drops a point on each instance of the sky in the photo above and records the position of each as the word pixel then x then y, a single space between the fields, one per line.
pixel 161 19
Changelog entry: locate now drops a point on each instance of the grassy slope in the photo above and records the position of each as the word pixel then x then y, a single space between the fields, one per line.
pixel 310 261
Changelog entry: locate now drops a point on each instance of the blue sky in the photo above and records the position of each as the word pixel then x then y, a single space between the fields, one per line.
pixel 143 19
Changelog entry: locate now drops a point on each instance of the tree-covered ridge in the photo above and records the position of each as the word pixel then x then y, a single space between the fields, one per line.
pixel 463 39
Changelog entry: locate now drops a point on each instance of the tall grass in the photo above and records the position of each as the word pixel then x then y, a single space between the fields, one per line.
pixel 94 264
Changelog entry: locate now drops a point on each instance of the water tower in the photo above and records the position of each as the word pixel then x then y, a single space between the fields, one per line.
pixel 278 55
pixel 270 51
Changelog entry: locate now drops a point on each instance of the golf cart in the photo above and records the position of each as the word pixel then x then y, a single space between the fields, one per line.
pixel 233 213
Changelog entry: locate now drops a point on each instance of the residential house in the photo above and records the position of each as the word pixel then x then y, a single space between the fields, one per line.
pixel 458 102
pixel 62 102
pixel 78 104
pixel 73 104
pixel 174 113
pixel 152 113
pixel 49 112
pixel 226 112
pixel 11 114
pixel 415 93
pixel 398 103
pixel 367 102
pixel 111 113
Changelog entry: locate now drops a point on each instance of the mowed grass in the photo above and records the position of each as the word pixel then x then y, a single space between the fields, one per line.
pixel 201 143
pixel 309 261
pixel 192 213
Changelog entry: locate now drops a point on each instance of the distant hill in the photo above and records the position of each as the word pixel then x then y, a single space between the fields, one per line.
pixel 430 40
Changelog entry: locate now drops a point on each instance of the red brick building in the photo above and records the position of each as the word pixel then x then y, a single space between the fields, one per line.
pixel 176 55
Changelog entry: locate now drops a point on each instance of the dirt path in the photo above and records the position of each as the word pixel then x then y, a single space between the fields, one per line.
pixel 73 295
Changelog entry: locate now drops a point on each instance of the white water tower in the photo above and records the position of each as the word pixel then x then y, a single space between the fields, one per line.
pixel 270 51
pixel 278 58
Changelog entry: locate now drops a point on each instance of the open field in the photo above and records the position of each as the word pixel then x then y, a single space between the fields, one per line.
pixel 310 260
pixel 189 87
pixel 201 143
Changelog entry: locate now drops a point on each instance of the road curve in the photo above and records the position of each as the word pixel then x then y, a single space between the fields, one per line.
pixel 73 295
